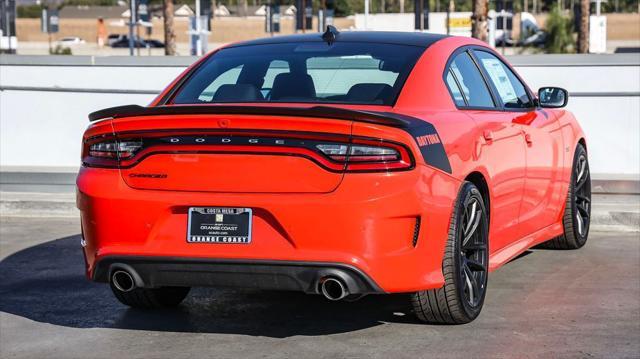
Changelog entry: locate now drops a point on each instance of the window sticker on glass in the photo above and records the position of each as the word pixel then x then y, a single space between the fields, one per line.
pixel 501 79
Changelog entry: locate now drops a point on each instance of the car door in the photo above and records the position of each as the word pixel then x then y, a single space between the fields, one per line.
pixel 543 139
pixel 501 146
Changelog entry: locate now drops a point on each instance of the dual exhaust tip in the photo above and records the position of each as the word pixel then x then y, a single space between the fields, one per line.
pixel 123 280
pixel 331 288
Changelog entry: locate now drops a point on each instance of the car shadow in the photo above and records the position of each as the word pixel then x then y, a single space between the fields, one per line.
pixel 45 283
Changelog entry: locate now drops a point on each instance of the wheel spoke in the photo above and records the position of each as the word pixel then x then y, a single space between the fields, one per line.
pixel 583 198
pixel 580 223
pixel 583 209
pixel 475 265
pixel 472 226
pixel 468 277
pixel 580 184
pixel 474 246
pixel 580 171
pixel 470 217
pixel 472 284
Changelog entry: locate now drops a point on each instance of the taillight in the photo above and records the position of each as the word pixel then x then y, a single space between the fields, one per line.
pixel 336 153
pixel 372 154
pixel 115 149
pixel 107 153
pixel 367 155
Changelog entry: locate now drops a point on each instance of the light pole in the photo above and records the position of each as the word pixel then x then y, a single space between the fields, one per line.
pixel 198 30
pixel 366 13
pixel 132 19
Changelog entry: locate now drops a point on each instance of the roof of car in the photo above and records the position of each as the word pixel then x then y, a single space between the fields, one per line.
pixel 383 37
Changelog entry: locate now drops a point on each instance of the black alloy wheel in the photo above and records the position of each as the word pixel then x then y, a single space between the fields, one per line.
pixel 577 212
pixel 473 260
pixel 464 265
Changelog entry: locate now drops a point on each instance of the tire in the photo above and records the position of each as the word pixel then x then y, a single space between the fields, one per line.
pixel 465 267
pixel 577 212
pixel 151 298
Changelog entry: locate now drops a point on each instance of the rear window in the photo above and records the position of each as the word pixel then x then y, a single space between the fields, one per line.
pixel 347 72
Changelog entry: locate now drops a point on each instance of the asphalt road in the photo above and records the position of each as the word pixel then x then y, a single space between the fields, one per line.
pixel 547 303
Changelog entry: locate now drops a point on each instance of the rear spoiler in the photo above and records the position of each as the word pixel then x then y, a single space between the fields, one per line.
pixel 423 132
pixel 375 117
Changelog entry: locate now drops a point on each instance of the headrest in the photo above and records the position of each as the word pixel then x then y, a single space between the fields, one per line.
pixel 293 86
pixel 237 93
pixel 369 92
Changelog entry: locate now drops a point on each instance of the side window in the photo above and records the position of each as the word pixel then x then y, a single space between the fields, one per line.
pixel 455 90
pixel 472 84
pixel 512 92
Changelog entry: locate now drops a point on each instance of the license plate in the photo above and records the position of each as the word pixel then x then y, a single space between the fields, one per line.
pixel 219 225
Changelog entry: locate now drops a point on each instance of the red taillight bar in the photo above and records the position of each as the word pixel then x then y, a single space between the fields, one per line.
pixel 336 153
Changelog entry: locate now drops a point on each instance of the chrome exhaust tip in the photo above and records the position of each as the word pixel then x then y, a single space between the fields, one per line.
pixel 333 289
pixel 123 281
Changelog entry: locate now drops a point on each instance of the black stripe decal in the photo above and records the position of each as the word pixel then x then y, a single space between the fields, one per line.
pixel 431 146
pixel 427 139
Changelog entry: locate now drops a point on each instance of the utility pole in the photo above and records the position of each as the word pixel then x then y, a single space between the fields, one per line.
pixel 132 19
pixel 583 33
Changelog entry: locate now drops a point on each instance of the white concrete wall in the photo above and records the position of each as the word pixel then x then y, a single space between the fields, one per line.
pixel 611 123
pixel 43 128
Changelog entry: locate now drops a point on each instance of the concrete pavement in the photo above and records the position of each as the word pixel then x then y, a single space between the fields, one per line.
pixel 547 303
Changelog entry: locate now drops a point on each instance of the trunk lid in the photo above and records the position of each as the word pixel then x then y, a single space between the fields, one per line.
pixel 231 153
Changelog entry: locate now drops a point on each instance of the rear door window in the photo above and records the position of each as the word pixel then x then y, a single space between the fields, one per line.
pixel 455 90
pixel 472 84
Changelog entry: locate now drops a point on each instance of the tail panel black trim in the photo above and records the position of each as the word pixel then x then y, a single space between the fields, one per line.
pixel 262 274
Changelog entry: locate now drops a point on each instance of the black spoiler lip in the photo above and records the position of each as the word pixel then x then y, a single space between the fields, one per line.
pixel 374 117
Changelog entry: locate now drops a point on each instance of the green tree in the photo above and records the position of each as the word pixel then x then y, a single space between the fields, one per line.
pixel 559 33
pixel 29 11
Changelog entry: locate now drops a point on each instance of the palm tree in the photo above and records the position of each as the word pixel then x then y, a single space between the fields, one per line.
pixel 169 31
pixel 583 33
pixel 479 19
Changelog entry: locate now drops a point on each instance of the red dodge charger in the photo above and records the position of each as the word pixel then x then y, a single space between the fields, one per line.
pixel 340 164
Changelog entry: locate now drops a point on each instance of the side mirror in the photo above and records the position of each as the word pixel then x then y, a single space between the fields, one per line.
pixel 553 97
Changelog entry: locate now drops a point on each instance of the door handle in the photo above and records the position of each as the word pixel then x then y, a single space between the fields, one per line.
pixel 527 138
pixel 488 135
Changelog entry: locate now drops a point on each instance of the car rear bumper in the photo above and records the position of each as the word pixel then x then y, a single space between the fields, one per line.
pixel 153 272
pixel 388 230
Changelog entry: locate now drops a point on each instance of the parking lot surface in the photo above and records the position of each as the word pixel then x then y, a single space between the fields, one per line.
pixel 546 303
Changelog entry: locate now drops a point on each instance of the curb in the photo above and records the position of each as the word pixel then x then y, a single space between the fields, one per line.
pixel 604 221
pixel 38 209
pixel 610 213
